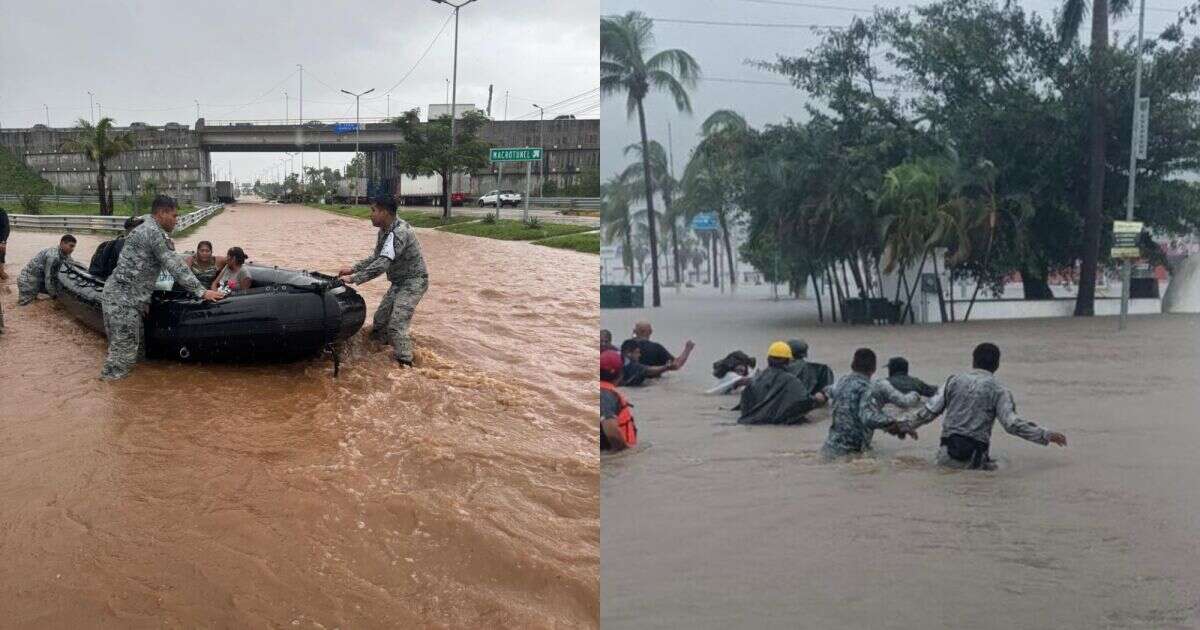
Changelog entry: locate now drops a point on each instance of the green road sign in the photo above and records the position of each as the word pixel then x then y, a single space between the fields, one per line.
pixel 517 154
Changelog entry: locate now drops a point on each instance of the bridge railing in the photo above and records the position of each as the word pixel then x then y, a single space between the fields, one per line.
pixel 16 199
pixel 96 223
pixel 574 203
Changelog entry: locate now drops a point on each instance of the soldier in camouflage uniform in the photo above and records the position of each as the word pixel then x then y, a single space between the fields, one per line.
pixel 38 275
pixel 972 402
pixel 127 291
pixel 398 253
pixel 857 404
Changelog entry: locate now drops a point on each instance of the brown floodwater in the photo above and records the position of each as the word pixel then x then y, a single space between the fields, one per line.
pixel 715 525
pixel 461 493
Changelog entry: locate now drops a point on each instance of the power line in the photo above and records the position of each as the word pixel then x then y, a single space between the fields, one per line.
pixel 831 7
pixel 421 58
pixel 743 24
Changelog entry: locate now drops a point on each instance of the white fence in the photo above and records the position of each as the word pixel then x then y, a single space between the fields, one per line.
pixel 96 223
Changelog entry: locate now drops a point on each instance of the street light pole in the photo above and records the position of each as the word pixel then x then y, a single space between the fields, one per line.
pixel 453 98
pixel 542 144
pixel 1127 268
pixel 301 66
pixel 197 109
pixel 357 128
pixel 47 114
pixel 91 107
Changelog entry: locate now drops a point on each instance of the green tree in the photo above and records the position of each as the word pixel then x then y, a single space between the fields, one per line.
pixel 715 175
pixel 1071 18
pixel 625 68
pixel 98 144
pixel 616 219
pixel 426 147
pixel 660 170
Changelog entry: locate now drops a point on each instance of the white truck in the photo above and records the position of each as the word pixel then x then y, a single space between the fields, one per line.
pixel 426 190
pixel 352 189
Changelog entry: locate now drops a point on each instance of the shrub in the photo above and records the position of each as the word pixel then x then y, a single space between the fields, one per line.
pixel 32 204
pixel 533 223
pixel 489 218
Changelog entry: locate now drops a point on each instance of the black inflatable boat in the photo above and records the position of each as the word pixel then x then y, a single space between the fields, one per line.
pixel 286 315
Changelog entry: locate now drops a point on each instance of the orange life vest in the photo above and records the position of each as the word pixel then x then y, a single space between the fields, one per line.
pixel 624 415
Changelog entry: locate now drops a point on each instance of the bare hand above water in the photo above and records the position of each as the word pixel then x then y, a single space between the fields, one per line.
pixel 212 296
pixel 345 272
pixel 1054 437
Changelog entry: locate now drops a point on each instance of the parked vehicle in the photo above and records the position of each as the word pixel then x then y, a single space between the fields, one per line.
pixel 426 190
pixel 502 197
pixel 223 191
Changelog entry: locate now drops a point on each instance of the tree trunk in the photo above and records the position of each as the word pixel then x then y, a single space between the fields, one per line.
pixel 675 251
pixel 1085 302
pixel 104 209
pixel 650 219
pixel 912 290
pixel 728 250
pixel 817 290
pixel 715 261
pixel 864 289
pixel 445 195
pixel 941 298
pixel 1036 286
pixel 629 253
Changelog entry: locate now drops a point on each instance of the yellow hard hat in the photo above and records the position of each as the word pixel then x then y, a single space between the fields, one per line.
pixel 779 350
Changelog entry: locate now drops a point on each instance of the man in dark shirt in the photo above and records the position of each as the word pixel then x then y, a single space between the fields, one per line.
pixel 633 371
pixel 5 229
pixel 898 377
pixel 109 252
pixel 653 353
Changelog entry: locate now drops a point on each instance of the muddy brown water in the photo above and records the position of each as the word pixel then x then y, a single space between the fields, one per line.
pixel 461 493
pixel 715 525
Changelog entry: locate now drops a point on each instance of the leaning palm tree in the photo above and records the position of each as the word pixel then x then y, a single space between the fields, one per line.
pixel 660 170
pixel 625 42
pixel 714 177
pixel 98 144
pixel 1070 19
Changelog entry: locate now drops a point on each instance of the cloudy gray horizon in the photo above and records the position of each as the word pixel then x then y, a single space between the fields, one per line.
pixel 779 27
pixel 151 61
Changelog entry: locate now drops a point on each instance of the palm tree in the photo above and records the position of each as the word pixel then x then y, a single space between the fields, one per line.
pixel 617 220
pixel 98 144
pixel 625 42
pixel 1070 20
pixel 713 178
pixel 660 170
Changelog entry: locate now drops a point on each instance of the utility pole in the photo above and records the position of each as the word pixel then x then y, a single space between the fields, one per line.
pixel 91 107
pixel 357 128
pixel 301 66
pixel 47 114
pixel 453 98
pixel 1127 268
pixel 197 109
pixel 285 107
pixel 542 144
pixel 389 104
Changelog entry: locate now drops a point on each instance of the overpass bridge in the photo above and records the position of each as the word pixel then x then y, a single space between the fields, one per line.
pixel 179 157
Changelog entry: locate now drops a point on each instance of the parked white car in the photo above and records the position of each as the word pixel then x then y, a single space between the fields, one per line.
pixel 507 198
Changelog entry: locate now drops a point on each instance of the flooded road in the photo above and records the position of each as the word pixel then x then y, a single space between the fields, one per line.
pixel 715 525
pixel 461 493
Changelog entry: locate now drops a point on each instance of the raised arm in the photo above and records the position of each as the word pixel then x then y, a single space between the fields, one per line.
pixel 872 415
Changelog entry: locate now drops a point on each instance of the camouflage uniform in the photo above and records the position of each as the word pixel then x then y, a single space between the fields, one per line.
pixel 857 403
pixel 972 402
pixel 127 292
pixel 38 276
pixel 398 253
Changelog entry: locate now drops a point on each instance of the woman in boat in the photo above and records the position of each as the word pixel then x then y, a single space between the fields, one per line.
pixel 204 265
pixel 234 276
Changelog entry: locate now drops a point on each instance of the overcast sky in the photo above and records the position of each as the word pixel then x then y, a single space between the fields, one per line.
pixel 150 61
pixel 721 51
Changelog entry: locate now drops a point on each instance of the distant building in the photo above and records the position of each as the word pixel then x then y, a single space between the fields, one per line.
pixel 437 110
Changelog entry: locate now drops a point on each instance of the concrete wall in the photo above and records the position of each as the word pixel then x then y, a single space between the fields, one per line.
pixel 171 157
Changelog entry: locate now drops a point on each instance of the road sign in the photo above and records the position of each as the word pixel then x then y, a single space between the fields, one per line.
pixel 516 154
pixel 345 127
pixel 1142 130
pixel 704 222
pixel 1125 239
